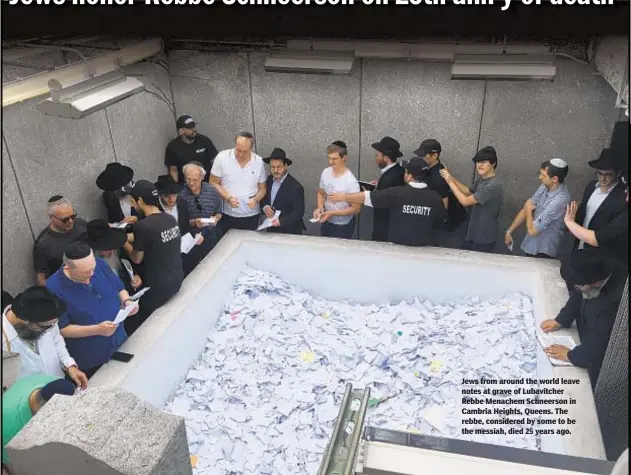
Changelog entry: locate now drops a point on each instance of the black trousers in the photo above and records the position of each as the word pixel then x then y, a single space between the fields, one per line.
pixel 475 246
pixel 344 231
pixel 230 222
pixel 152 300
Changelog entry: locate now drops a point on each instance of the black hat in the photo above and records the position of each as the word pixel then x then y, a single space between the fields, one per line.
pixel 78 250
pixel 608 160
pixel 584 266
pixel 417 167
pixel 143 189
pixel 389 147
pixel 101 237
pixel 59 386
pixel 428 146
pixel 280 154
pixel 114 177
pixel 166 185
pixel 185 122
pixel 487 153
pixel 38 304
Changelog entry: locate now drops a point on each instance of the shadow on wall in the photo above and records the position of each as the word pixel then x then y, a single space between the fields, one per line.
pixel 527 122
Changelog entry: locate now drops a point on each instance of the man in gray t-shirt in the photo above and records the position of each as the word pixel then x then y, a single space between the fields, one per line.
pixel 484 198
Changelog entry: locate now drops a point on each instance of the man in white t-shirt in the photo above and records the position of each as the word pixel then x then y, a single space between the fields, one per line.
pixel 240 178
pixel 337 218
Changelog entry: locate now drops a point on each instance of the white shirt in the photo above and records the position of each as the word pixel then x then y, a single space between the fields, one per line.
pixel 125 203
pixel 595 200
pixel 172 211
pixel 240 183
pixel 385 169
pixel 52 357
pixel 345 183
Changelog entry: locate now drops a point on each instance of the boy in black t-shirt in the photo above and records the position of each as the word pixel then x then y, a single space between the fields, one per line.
pixel 416 210
pixel 156 243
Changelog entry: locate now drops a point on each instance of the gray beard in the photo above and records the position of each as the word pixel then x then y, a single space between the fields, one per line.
pixel 26 334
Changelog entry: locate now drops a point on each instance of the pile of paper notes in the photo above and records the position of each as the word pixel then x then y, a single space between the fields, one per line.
pixel 264 396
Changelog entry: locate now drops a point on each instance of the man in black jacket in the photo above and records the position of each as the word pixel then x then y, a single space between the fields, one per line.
pixel 388 151
pixel 593 303
pixel 284 194
pixel 604 209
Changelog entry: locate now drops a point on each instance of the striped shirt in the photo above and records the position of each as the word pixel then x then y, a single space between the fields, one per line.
pixel 206 204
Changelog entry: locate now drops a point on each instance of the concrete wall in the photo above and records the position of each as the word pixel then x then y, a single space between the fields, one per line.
pixel 43 156
pixel 527 122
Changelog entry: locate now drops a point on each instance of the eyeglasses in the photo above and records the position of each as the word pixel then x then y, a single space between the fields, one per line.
pixel 198 204
pixel 67 219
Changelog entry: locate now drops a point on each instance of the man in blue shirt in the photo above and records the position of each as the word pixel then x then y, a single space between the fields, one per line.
pixel 94 295
pixel 543 213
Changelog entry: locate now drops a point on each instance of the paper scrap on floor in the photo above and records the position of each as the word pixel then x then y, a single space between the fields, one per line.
pixel 547 340
pixel 124 313
pixel 264 395
pixel 268 221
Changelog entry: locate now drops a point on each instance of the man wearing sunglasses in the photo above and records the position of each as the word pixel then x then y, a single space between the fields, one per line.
pixel 64 229
pixel 601 220
pixel 29 328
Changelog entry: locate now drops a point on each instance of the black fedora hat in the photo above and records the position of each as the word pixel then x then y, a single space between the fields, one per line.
pixel 38 304
pixel 583 267
pixel 388 146
pixel 608 160
pixel 114 177
pixel 167 186
pixel 279 154
pixel 101 237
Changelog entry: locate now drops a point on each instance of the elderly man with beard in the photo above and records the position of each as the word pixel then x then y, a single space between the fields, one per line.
pixel 593 304
pixel 29 328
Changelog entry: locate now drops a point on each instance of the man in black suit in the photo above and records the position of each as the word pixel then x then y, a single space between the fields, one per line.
pixel 388 151
pixel 604 210
pixel 284 194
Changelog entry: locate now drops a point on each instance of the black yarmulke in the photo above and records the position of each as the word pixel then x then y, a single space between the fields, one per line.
pixel 77 250
pixel 339 143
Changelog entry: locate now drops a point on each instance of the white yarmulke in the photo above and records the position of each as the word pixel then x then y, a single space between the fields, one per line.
pixel 558 162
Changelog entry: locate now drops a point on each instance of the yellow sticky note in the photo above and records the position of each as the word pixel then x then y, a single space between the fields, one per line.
pixel 435 366
pixel 414 430
pixel 193 461
pixel 326 316
pixel 307 356
pixel 417 374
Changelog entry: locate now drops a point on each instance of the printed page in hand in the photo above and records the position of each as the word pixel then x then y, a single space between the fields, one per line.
pixel 268 222
pixel 549 340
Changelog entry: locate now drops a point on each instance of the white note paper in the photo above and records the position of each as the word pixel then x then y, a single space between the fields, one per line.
pixel 549 340
pixel 188 242
pixel 268 222
pixel 208 221
pixel 124 313
pixel 128 268
pixel 139 294
pixel 314 220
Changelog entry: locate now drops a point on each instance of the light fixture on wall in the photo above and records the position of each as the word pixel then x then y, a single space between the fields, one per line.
pixel 310 63
pixel 86 97
pixel 504 67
